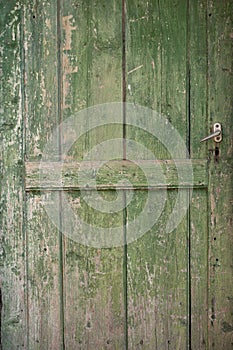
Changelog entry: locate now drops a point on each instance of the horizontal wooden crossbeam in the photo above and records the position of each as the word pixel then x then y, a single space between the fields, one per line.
pixel 116 174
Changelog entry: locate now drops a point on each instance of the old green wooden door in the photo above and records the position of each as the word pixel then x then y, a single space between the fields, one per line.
pixel 167 289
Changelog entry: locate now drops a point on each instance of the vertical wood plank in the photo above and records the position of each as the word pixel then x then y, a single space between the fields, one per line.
pixel 158 262
pixel 13 301
pixel 197 106
pixel 157 283
pixel 41 75
pixel 156 58
pixel 91 64
pixel 94 316
pixel 220 204
pixel 43 275
pixel 43 248
pixel 199 270
pixel 197 77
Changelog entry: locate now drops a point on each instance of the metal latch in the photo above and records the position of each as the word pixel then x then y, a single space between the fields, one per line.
pixel 216 135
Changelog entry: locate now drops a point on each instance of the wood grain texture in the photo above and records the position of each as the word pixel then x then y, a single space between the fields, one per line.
pixel 164 290
pixel 157 282
pixel 94 314
pixel 109 175
pixel 44 326
pixel 156 64
pixel 41 81
pixel 43 241
pixel 91 74
pixel 13 303
pixel 197 89
pixel 197 85
pixel 158 315
pixel 220 201
pixel 198 251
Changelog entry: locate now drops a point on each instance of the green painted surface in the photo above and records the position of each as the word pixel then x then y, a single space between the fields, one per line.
pixel 41 115
pixel 197 63
pixel 157 280
pixel 12 263
pixel 220 18
pixel 93 283
pixel 164 290
pixel 139 173
pixel 157 276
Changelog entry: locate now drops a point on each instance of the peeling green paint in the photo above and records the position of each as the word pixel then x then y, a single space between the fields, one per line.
pixel 163 290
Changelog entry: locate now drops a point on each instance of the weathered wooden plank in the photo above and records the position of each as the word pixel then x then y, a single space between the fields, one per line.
pixel 111 175
pixel 220 203
pixel 43 241
pixel 13 302
pixel 173 52
pixel 43 275
pixel 91 64
pixel 198 229
pixel 156 65
pixel 158 266
pixel 198 251
pixel 157 281
pixel 41 79
pixel 197 78
pixel 94 314
pixel 144 60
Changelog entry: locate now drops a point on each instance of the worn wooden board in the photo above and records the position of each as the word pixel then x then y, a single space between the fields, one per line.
pixel 94 314
pixel 44 286
pixel 157 282
pixel 139 174
pixel 197 83
pixel 91 74
pixel 197 90
pixel 198 250
pixel 220 202
pixel 158 315
pixel 44 262
pixel 12 208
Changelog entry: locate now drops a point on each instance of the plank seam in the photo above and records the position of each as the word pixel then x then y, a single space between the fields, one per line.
pixel 125 277
pixel 23 157
pixel 59 111
pixel 188 145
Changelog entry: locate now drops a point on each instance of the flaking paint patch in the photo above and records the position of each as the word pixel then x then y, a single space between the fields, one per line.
pixel 67 67
pixel 48 23
pixel 44 93
pixel 67 71
pixel 212 201
pixel 68 28
pixel 139 19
